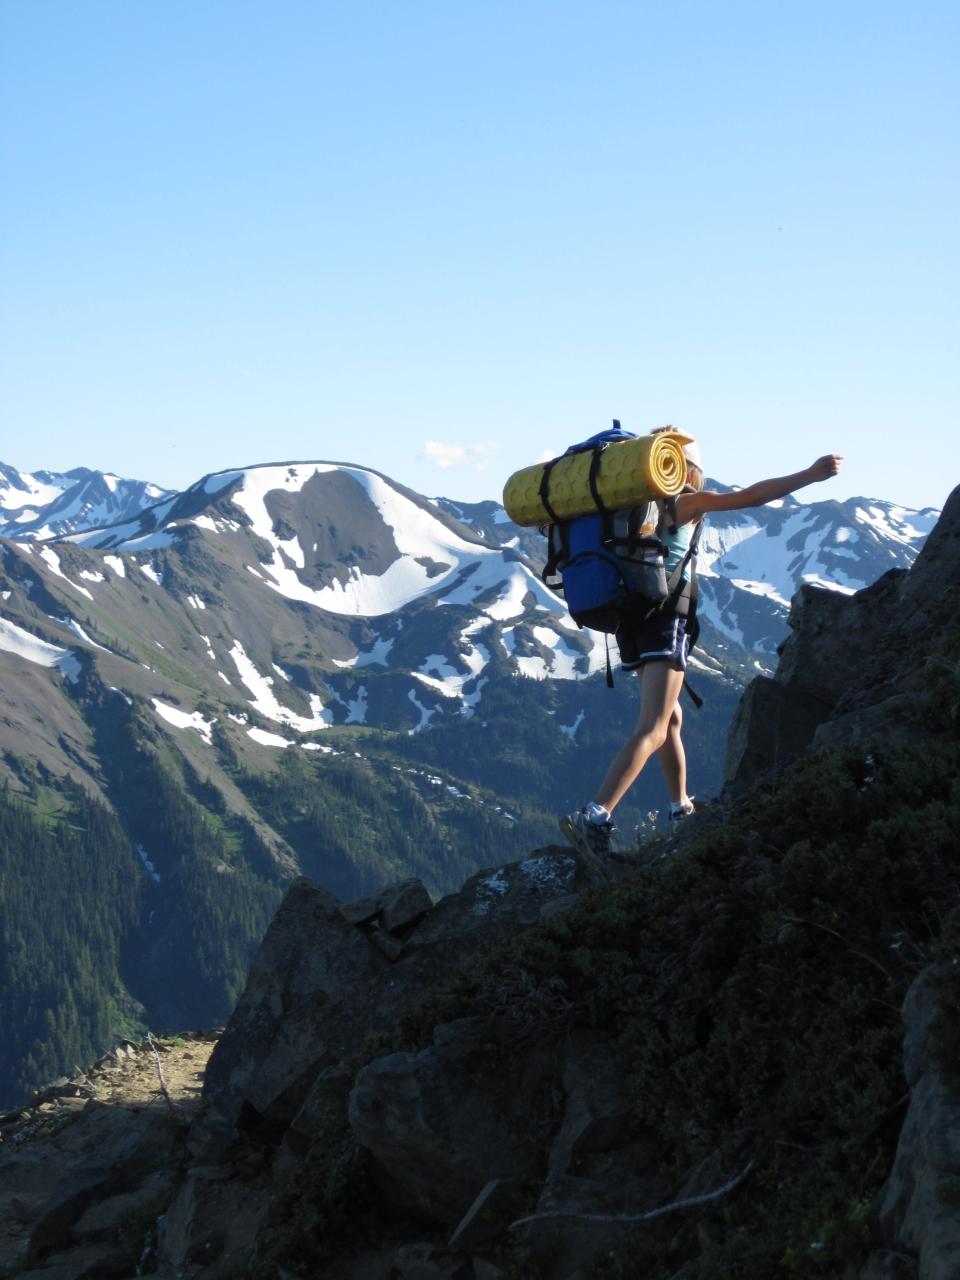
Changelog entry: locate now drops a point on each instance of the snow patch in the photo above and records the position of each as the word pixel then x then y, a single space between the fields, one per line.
pixel 52 561
pixel 816 580
pixel 265 701
pixel 184 720
pixel 151 869
pixel 116 564
pixel 425 713
pixel 72 625
pixel 149 571
pixel 377 656
pixel 23 644
pixel 570 730
pixel 268 739
pixel 357 707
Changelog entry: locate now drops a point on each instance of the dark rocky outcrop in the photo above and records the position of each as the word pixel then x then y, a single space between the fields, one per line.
pixel 849 667
pixel 64 1202
pixel 320 991
pixel 920 1207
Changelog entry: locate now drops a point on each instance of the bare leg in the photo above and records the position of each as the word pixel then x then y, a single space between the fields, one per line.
pixel 673 758
pixel 659 690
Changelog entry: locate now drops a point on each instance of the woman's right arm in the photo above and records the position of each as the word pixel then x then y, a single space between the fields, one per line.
pixel 692 506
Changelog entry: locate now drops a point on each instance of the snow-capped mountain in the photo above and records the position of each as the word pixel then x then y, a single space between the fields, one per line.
pixel 273 607
pixel 361 551
pixel 47 504
pixel 751 563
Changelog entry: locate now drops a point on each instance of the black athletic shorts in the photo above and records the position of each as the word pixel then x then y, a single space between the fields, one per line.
pixel 662 638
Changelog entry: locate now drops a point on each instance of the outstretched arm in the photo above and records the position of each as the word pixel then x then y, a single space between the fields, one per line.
pixel 691 506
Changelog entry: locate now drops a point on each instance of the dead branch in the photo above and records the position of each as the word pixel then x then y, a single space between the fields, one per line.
pixel 163 1084
pixel 689 1203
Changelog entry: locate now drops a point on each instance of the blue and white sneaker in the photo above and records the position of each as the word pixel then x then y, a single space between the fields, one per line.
pixel 591 838
pixel 683 810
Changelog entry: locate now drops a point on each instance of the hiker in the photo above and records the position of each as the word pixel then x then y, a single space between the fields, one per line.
pixel 657 650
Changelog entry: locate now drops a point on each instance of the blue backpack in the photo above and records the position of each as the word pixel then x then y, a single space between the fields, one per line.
pixel 610 564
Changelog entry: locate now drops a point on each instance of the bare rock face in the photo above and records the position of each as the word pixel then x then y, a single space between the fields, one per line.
pixel 319 987
pixel 441 1123
pixel 920 1208
pixel 596 1163
pixel 846 670
pixel 63 1199
pixel 289 1022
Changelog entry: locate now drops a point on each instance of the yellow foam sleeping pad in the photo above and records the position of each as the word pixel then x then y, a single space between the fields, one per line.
pixel 630 472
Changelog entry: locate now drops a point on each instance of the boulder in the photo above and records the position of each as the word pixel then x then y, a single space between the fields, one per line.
pixel 429 1262
pixel 288 1023
pixel 405 906
pixel 920 1206
pixel 106 1218
pixel 512 894
pixel 396 906
pixel 319 986
pixel 47 1188
pixel 770 726
pixel 596 1115
pixel 214 1219
pixel 597 1164
pixel 442 1123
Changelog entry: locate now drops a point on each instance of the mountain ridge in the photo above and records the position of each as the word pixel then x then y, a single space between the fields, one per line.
pixel 318 671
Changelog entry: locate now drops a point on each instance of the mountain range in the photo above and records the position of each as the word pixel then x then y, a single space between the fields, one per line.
pixel 307 666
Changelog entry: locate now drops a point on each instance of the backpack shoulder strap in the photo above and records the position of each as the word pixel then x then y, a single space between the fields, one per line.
pixel 558 551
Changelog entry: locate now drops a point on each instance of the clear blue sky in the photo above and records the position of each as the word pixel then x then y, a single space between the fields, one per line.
pixel 235 232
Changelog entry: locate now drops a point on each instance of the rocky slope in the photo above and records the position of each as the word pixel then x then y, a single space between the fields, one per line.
pixel 684 1063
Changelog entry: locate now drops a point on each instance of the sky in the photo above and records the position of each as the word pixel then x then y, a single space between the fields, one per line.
pixel 445 240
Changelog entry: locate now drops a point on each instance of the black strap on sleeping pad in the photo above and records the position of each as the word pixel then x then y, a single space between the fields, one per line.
pixel 592 480
pixel 545 489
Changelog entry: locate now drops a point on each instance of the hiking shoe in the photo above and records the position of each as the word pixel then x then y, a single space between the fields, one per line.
pixel 589 837
pixel 684 811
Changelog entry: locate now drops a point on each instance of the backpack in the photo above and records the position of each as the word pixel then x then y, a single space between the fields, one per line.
pixel 610 564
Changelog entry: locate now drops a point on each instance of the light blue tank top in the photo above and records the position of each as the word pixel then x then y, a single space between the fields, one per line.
pixel 676 545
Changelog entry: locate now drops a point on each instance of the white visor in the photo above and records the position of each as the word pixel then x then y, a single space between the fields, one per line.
pixel 691 452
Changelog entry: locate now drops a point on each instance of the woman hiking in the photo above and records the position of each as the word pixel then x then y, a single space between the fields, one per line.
pixel 657 650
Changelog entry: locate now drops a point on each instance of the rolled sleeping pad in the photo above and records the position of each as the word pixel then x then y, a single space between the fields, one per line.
pixel 629 472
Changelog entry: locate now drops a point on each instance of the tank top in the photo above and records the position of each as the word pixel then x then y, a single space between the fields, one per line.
pixel 676 545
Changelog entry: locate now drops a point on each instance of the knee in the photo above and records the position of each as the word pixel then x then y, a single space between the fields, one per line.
pixel 655 736
pixel 676 719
